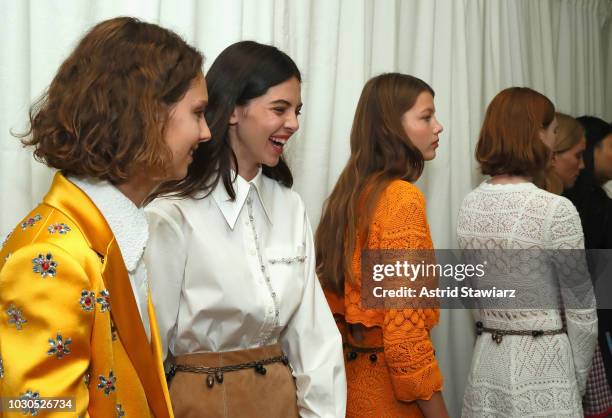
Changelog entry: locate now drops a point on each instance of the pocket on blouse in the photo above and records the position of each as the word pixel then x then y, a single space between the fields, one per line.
pixel 286 269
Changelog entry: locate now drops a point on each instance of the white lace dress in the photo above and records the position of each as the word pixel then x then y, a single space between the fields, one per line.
pixel 523 376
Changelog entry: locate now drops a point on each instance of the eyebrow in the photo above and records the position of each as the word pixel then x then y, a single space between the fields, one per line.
pixel 284 102
pixel 200 103
pixel 429 109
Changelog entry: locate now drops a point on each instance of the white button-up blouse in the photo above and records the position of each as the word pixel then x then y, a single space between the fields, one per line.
pixel 229 275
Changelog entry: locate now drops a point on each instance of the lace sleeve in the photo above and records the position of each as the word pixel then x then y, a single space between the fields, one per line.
pixel 567 243
pixel 410 354
pixel 408 348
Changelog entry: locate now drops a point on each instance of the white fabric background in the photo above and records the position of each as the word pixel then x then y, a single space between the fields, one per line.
pixel 467 50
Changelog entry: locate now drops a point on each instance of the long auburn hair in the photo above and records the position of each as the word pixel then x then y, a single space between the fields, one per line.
pixel 380 153
pixel 243 71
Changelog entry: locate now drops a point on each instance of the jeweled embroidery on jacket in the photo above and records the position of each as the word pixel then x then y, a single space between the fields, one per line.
pixel 44 265
pixel 30 222
pixel 120 411
pixel 6 239
pixel 15 317
pixel 88 300
pixel 1 368
pixel 104 300
pixel 60 228
pixel 59 346
pixel 30 408
pixel 113 331
pixel 107 385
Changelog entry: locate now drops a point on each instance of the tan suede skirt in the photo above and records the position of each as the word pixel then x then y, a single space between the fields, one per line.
pixel 241 394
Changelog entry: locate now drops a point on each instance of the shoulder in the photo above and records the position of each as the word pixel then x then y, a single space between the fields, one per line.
pixel 52 264
pixel 174 212
pixel 400 220
pixel 46 226
pixel 403 191
pixel 471 198
pixel 563 206
pixel 553 205
pixel 400 197
pixel 285 199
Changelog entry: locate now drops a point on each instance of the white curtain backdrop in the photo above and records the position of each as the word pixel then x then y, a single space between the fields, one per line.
pixel 468 50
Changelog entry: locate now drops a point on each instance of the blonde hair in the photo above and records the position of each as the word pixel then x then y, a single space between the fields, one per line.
pixel 569 133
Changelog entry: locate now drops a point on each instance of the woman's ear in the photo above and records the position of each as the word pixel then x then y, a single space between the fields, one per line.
pixel 233 119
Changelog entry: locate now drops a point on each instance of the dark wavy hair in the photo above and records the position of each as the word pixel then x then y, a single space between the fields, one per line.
pixel 243 71
pixel 381 152
pixel 595 130
pixel 105 111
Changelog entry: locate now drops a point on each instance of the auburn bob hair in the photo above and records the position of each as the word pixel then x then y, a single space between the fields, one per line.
pixel 509 141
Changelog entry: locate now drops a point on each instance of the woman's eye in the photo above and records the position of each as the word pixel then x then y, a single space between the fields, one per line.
pixel 279 110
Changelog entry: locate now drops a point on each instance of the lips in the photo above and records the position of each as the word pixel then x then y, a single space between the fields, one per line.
pixel 278 142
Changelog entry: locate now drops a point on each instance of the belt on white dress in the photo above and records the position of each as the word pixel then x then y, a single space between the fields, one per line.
pixel 498 334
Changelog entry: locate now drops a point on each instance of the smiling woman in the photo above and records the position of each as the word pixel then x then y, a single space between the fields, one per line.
pixel 233 266
pixel 262 127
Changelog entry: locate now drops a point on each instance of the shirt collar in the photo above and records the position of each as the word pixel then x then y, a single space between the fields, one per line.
pixel 128 222
pixel 231 208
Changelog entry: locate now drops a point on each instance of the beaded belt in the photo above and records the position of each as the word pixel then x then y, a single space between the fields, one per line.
pixel 498 334
pixel 216 373
pixel 353 350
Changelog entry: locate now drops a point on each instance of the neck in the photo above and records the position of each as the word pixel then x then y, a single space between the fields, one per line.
pixel 598 176
pixel 138 189
pixel 246 169
pixel 509 179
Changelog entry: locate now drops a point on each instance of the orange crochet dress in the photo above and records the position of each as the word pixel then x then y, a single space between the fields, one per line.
pixel 407 369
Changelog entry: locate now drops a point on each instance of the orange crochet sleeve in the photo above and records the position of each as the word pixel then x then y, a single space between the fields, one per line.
pixel 400 223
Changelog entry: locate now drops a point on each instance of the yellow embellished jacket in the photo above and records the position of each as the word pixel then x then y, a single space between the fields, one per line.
pixel 70 327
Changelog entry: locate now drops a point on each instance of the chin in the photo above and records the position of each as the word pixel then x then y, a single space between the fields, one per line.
pixel 272 162
pixel 429 156
pixel 177 175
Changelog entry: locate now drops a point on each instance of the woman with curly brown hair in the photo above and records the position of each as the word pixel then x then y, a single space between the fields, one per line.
pixel 123 113
pixel 390 361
